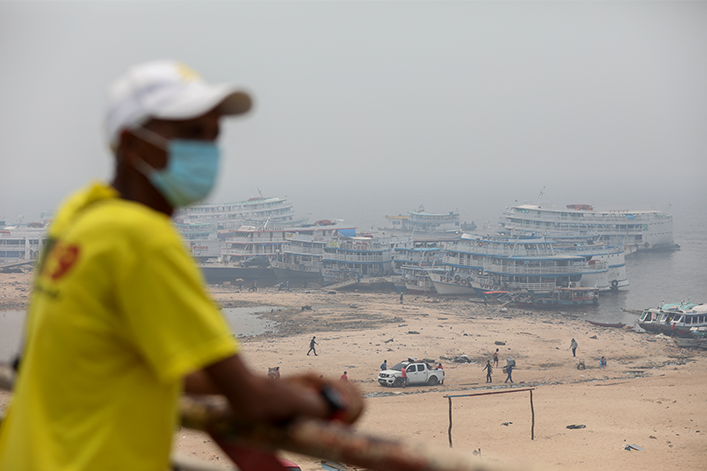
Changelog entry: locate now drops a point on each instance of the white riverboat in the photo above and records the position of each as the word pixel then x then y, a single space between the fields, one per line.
pixel 348 258
pixel 641 230
pixel 417 252
pixel 302 252
pixel 258 211
pixel 477 264
pixel 423 221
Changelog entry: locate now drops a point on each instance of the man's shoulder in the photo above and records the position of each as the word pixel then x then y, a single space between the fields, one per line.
pixel 134 223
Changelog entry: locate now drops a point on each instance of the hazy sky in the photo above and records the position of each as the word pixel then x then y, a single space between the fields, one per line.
pixel 370 108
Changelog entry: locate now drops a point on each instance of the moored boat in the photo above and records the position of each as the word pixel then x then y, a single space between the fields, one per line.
pixel 562 298
pixel 531 266
pixel 643 230
pixel 674 318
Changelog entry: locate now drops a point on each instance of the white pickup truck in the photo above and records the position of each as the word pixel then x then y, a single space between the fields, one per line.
pixel 417 372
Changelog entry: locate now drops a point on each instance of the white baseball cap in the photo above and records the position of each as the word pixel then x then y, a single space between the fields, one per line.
pixel 166 89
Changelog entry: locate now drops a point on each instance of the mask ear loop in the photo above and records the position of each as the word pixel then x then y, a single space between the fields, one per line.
pixel 144 168
pixel 152 138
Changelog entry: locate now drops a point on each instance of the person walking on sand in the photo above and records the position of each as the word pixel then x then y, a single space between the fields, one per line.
pixel 510 363
pixel 573 346
pixel 344 378
pixel 602 362
pixel 489 370
pixel 121 323
pixel 312 343
pixel 495 358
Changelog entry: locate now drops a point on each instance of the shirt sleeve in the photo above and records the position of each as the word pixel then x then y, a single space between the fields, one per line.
pixel 172 320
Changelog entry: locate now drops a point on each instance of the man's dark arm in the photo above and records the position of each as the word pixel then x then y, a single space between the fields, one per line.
pixel 256 398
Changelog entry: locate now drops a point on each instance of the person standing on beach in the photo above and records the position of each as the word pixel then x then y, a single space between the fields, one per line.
pixel 401 297
pixel 404 376
pixel 573 346
pixel 495 358
pixel 384 365
pixel 344 378
pixel 489 370
pixel 312 343
pixel 602 362
pixel 120 323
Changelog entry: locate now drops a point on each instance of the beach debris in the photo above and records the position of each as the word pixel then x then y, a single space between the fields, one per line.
pixel 499 342
pixel 654 438
pixel 634 447
pixel 388 341
pixel 461 359
pixel 413 332
pixel 580 365
pixel 476 452
pixel 575 427
pixel 594 337
pixel 306 308
pixel 504 309
pixel 506 423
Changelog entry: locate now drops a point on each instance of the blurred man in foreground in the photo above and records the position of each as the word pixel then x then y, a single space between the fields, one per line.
pixel 120 324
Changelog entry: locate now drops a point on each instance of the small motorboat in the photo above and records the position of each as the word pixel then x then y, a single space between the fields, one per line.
pixel 604 324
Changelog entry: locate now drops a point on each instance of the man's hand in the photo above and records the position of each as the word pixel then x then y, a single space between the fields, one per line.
pixel 257 398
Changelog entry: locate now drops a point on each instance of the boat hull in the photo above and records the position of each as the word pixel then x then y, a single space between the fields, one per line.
pixel 451 285
pixel 290 274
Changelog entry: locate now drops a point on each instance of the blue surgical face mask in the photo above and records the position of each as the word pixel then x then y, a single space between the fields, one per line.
pixel 190 173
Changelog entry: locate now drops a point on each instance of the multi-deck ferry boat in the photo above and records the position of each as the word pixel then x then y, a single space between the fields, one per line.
pixel 251 241
pixel 532 266
pixel 302 252
pixel 356 257
pixel 417 252
pixel 258 211
pixel 423 221
pixel 643 230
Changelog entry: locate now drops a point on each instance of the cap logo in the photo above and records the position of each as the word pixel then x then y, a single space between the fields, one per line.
pixel 187 73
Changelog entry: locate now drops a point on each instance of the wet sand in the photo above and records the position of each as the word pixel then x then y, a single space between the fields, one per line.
pixel 650 394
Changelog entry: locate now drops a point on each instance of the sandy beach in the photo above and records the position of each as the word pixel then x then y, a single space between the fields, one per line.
pixel 650 394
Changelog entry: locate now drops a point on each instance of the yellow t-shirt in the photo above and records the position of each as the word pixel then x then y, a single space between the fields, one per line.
pixel 118 317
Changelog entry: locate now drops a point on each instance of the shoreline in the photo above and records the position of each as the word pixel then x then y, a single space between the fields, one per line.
pixel 650 394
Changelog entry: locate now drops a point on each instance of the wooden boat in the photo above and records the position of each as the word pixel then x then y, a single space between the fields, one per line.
pixel 604 324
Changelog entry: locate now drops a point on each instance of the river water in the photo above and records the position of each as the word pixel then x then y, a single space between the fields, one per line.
pixel 661 277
